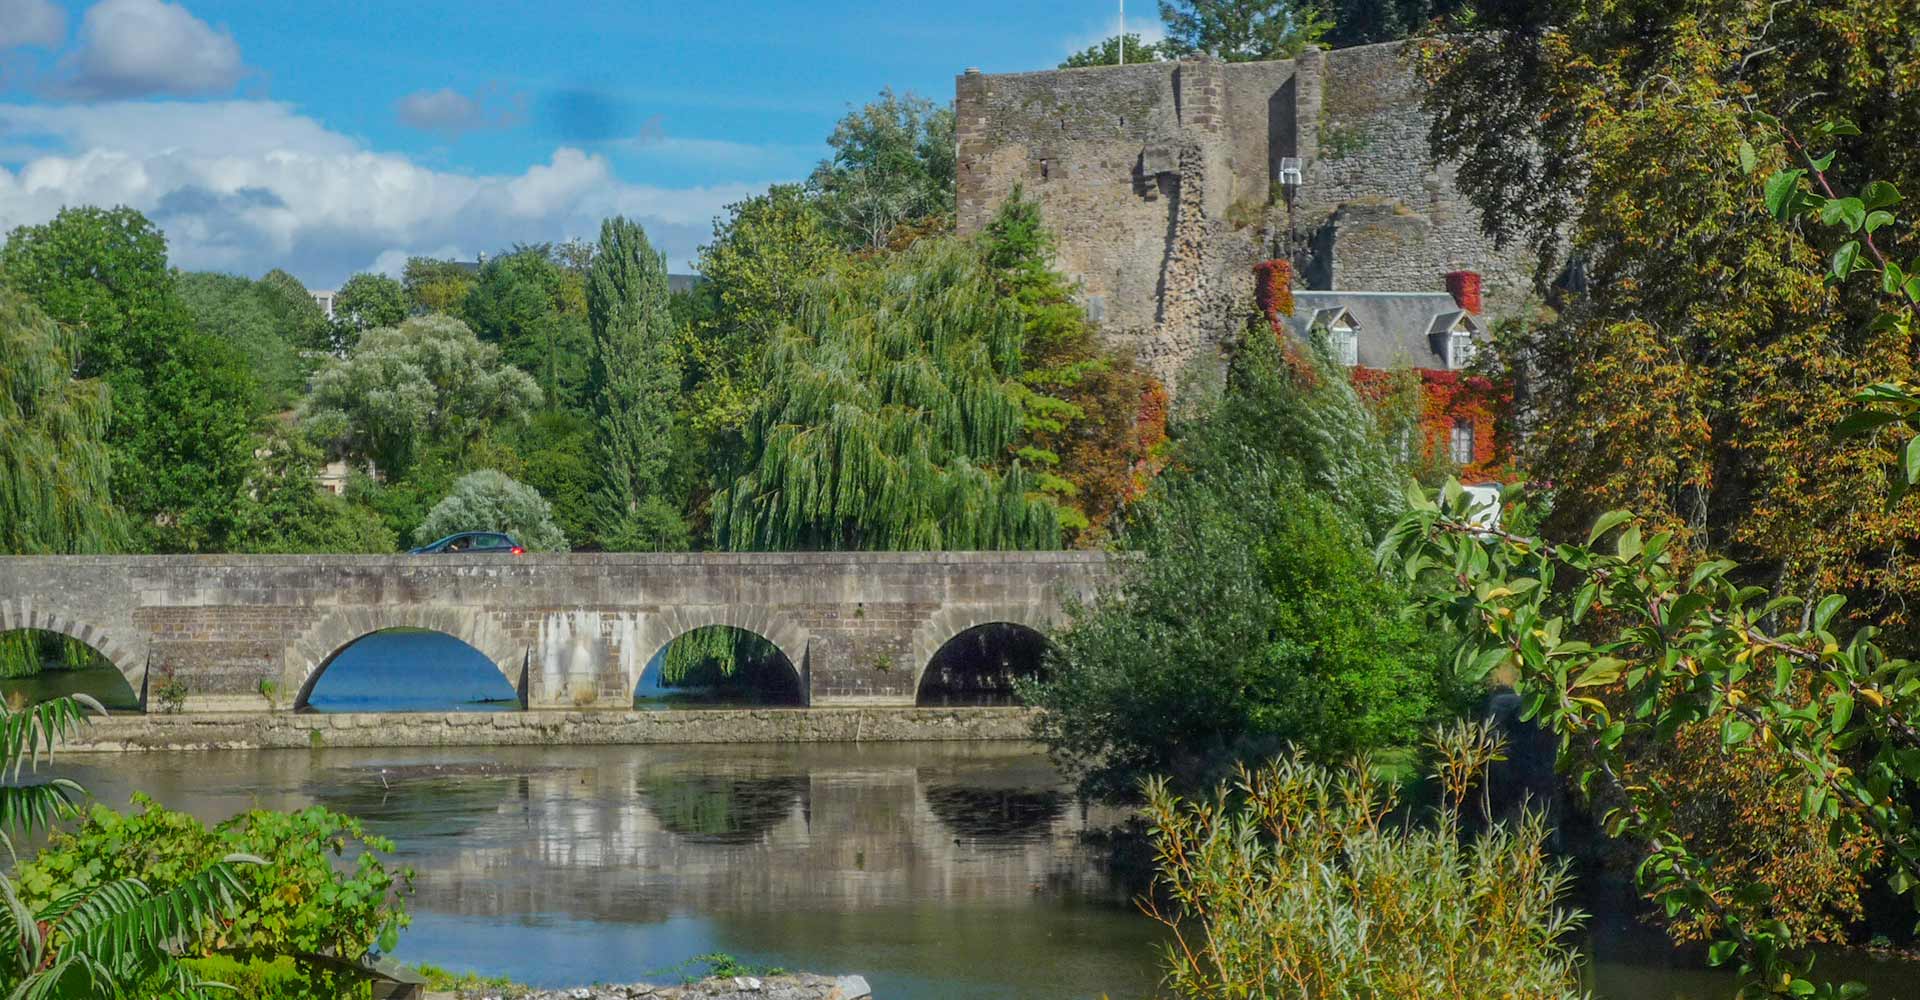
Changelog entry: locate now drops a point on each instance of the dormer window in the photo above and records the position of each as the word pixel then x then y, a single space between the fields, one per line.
pixel 1459 349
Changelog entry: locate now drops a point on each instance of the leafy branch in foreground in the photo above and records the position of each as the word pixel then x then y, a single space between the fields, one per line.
pixel 106 939
pixel 1621 645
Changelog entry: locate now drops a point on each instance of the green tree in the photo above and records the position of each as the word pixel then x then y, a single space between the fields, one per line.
pixel 892 163
pixel 492 501
pixel 1252 618
pixel 1243 30
pixel 242 313
pixel 764 252
pixel 55 466
pixel 889 409
pixel 535 309
pixel 1107 53
pixel 296 315
pixel 635 386
pixel 366 301
pixel 562 461
pixel 125 935
pixel 436 286
pixel 285 510
pixel 180 432
pixel 405 389
pixel 1363 22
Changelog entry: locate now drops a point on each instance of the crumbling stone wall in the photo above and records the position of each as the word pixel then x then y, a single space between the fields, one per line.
pixel 1159 183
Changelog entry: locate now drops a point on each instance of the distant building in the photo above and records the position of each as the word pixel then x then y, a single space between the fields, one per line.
pixel 1436 335
pixel 324 299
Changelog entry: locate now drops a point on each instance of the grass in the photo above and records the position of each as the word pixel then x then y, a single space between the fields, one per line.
pixel 443 981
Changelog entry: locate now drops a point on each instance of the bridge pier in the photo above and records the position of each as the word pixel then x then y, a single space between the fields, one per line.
pixel 567 631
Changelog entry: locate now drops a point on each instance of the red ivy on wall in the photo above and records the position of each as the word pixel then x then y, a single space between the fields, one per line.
pixel 1447 397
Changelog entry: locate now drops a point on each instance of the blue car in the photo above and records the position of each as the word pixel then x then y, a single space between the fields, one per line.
pixel 471 541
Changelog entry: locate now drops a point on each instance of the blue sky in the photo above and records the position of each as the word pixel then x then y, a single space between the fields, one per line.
pixel 335 137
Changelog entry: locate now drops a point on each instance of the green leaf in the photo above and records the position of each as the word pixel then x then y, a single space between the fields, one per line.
pixel 1749 160
pixel 1781 189
pixel 1719 951
pixel 1842 705
pixel 1604 670
pixel 1913 461
pixel 1828 606
pixel 1879 194
pixel 1913 288
pixel 1891 280
pixel 1824 162
pixel 1844 211
pixel 1845 258
pixel 1607 522
pixel 1876 219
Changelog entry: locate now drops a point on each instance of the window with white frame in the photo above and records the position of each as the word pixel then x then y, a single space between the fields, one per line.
pixel 1459 349
pixel 1461 442
pixel 1346 345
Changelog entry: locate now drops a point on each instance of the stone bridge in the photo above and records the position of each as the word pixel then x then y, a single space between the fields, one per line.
pixel 568 631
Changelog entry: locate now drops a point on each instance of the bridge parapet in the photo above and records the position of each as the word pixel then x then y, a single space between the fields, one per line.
pixel 568 631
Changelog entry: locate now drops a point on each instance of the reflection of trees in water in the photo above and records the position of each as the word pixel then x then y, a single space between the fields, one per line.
pixel 36 665
pixel 717 809
pixel 979 666
pixel 723 664
pixel 1010 815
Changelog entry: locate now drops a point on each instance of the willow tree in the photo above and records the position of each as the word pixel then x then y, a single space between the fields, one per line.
pixel 889 417
pixel 54 460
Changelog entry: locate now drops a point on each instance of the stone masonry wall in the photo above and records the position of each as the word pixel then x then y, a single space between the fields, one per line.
pixel 1158 181
pixel 308 730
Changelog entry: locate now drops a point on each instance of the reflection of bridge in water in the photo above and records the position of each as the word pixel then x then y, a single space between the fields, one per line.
pixel 644 836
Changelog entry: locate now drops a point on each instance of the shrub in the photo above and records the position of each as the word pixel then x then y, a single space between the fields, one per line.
pixel 1296 882
pixel 493 501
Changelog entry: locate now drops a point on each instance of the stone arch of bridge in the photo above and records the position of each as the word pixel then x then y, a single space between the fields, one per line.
pixel 949 622
pixel 310 654
pixel 657 630
pixel 21 615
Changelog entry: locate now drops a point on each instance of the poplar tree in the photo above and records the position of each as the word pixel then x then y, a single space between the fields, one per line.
pixel 633 382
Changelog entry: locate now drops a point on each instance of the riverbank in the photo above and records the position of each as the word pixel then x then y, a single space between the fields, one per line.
pixel 785 987
pixel 302 730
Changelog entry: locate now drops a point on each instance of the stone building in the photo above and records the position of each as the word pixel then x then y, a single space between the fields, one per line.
pixel 1165 183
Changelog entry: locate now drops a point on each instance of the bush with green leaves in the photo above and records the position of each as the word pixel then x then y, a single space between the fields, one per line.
pixel 324 888
pixel 1251 616
pixel 122 930
pixel 1301 880
pixel 493 501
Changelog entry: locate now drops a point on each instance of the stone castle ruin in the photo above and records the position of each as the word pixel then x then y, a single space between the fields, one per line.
pixel 1164 183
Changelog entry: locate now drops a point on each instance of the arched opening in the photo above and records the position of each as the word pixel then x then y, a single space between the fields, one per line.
pixel 979 666
pixel 408 670
pixel 36 665
pixel 718 665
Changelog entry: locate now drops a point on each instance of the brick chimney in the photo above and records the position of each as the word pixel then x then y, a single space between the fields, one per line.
pixel 1464 286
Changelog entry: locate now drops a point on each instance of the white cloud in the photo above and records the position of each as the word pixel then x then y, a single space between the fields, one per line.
pixel 247 186
pixel 133 48
pixel 450 113
pixel 31 22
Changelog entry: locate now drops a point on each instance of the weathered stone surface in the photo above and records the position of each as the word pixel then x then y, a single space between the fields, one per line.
pixel 288 730
pixel 794 987
pixel 568 631
pixel 1159 181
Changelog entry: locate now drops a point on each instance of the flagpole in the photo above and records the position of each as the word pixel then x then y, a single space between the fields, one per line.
pixel 1123 32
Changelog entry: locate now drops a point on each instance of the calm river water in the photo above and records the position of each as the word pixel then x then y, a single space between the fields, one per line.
pixel 939 871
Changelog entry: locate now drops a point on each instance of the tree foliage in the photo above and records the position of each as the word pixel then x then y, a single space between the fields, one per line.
pixel 367 301
pixel 1243 30
pixel 889 410
pixel 55 467
pixel 180 432
pixel 634 383
pixel 1681 379
pixel 285 511
pixel 436 286
pixel 402 388
pixel 893 163
pixel 1251 618
pixel 248 315
pixel 1107 52
pixel 492 501
pixel 534 308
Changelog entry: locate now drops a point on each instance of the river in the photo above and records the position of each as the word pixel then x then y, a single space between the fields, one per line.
pixel 939 871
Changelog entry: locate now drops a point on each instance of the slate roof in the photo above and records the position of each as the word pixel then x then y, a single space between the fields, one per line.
pixel 684 282
pixel 1395 329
